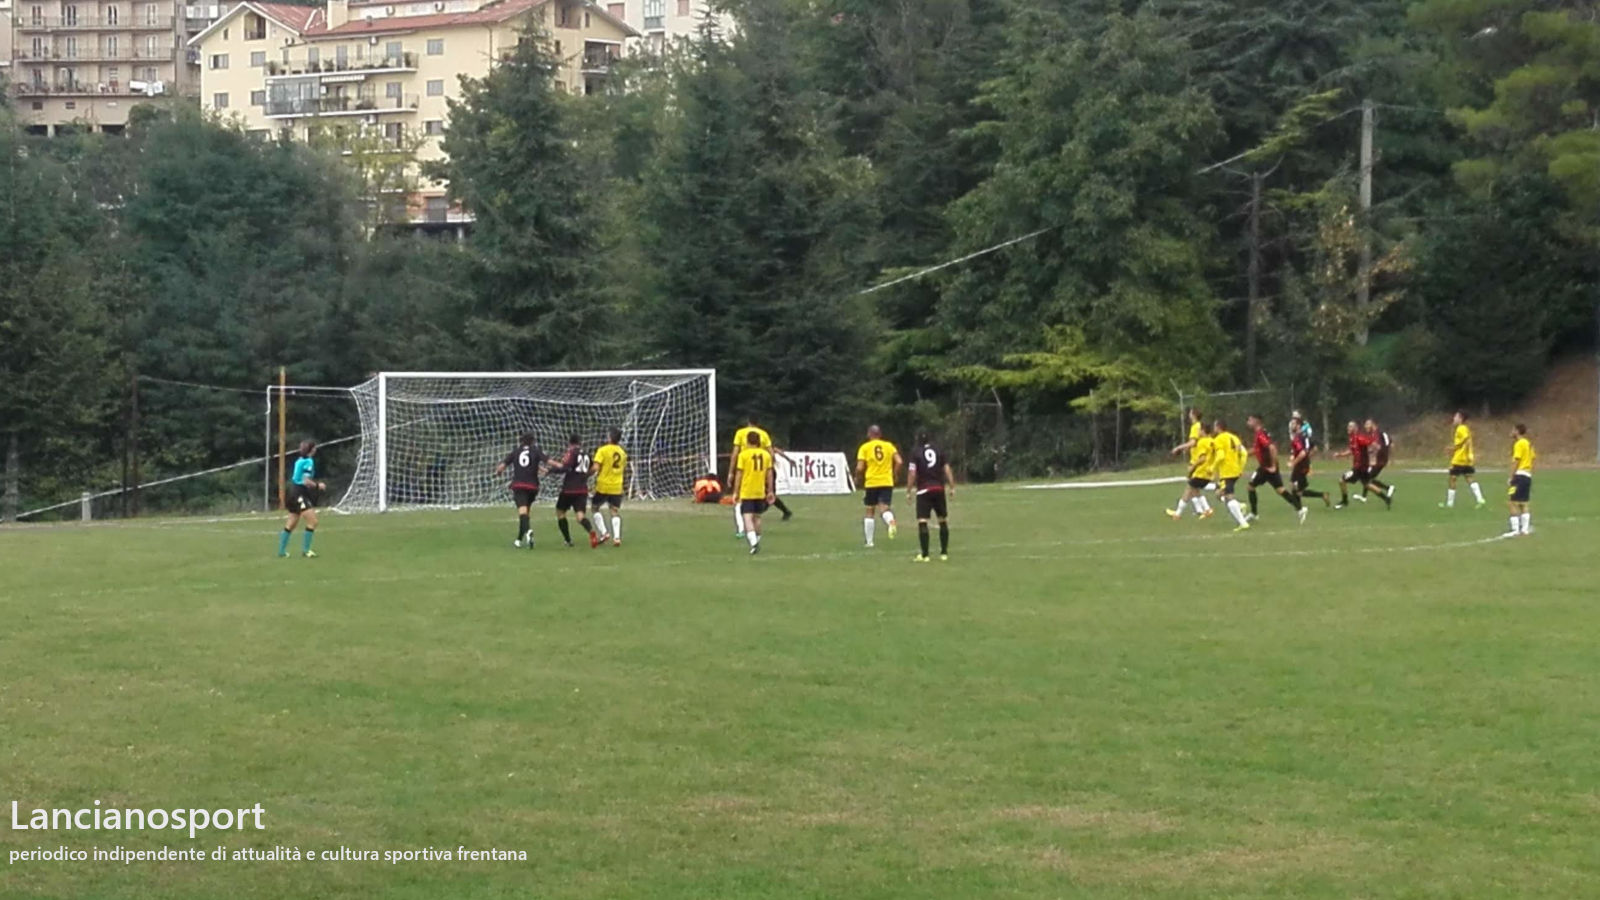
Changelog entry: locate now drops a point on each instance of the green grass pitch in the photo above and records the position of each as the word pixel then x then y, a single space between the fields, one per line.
pixel 1088 701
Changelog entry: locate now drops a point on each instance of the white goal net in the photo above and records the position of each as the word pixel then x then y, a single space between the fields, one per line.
pixel 435 438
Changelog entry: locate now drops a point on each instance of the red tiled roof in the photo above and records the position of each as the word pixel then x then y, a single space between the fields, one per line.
pixel 297 17
pixel 490 14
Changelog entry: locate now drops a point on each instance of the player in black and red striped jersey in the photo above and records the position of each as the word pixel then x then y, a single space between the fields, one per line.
pixel 574 469
pixel 1379 443
pixel 1301 449
pixel 526 463
pixel 930 483
pixel 1266 453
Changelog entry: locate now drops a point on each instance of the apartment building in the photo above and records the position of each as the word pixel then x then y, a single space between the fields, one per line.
pixel 5 40
pixel 659 22
pixel 86 63
pixel 387 69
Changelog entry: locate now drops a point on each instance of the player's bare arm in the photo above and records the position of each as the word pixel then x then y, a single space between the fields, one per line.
pixel 949 480
pixel 911 481
pixel 772 484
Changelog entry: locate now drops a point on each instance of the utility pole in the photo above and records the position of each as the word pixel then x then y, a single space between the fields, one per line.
pixel 1364 222
pixel 1253 310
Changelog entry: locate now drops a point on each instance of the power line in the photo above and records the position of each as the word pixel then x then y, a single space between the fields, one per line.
pixel 955 262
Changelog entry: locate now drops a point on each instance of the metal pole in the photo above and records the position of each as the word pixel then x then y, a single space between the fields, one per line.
pixel 266 455
pixel 1252 307
pixel 85 503
pixel 283 436
pixel 383 442
pixel 711 422
pixel 1364 276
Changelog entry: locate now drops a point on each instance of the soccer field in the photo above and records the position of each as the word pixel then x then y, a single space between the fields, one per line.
pixel 1087 700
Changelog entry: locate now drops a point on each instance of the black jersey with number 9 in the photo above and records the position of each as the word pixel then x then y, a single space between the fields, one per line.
pixel 930 468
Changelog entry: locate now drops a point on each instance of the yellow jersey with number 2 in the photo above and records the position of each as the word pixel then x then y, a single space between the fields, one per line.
pixel 610 462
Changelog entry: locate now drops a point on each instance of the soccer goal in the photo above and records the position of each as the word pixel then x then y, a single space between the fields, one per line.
pixel 431 439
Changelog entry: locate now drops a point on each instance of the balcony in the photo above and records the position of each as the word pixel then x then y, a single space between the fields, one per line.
pixel 340 105
pixel 77 89
pixel 92 23
pixel 92 55
pixel 598 60
pixel 405 62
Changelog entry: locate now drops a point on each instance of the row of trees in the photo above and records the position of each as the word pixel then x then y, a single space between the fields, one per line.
pixel 1188 173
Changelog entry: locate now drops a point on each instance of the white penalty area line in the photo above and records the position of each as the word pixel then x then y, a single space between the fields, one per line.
pixel 1083 485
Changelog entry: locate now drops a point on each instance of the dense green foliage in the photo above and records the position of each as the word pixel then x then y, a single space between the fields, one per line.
pixel 1191 168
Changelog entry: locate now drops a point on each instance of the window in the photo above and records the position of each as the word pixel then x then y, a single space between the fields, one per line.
pixel 219 60
pixel 313 56
pixel 565 17
pixel 258 98
pixel 219 101
pixel 111 15
pixel 150 16
pixel 654 12
pixel 150 50
pixel 436 88
pixel 435 46
pixel 72 104
pixel 586 18
pixel 38 48
pixel 111 46
pixel 341 55
pixel 258 58
pixel 391 89
pixel 37 105
pixel 71 51
pixel 433 127
pixel 224 34
pixel 683 7
pixel 393 132
pixel 69 15
pixel 149 73
pixel 618 11
pixel 38 15
pixel 393 51
pixel 436 209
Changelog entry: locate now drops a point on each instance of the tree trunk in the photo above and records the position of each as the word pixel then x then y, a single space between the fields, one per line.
pixel 8 506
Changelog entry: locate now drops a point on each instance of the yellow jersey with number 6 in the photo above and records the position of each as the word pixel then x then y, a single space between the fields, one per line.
pixel 1522 457
pixel 1229 455
pixel 610 462
pixel 754 464
pixel 879 457
pixel 1462 455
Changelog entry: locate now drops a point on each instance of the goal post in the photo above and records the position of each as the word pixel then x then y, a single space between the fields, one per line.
pixel 433 439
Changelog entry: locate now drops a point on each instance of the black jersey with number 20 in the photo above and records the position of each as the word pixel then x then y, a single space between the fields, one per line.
pixel 930 468
pixel 576 466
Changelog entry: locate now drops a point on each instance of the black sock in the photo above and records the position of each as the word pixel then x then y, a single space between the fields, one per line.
pixel 586 526
pixel 566 531
pixel 1294 499
pixel 922 536
pixel 522 525
pixel 1344 494
pixel 944 537
pixel 1317 494
pixel 780 507
pixel 1252 501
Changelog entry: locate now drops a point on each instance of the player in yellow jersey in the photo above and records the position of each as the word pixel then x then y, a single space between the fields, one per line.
pixel 754 486
pixel 610 464
pixel 1229 453
pixel 1521 482
pixel 1198 432
pixel 1200 466
pixel 739 443
pixel 1463 463
pixel 877 461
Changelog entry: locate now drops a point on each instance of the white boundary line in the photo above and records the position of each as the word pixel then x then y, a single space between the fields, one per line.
pixel 1082 485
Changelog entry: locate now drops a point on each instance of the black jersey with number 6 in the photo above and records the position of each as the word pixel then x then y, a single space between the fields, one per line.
pixel 575 465
pixel 930 468
pixel 524 465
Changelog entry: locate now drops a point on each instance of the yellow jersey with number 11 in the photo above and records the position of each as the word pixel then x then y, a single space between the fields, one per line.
pixel 754 464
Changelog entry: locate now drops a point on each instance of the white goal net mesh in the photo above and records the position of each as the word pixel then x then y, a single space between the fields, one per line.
pixel 434 439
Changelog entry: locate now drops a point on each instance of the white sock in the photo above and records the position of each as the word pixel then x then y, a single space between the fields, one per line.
pixel 751 536
pixel 1527 523
pixel 1450 497
pixel 738 518
pixel 1516 523
pixel 1205 502
pixel 616 528
pixel 600 525
pixel 1235 511
pixel 1178 510
pixel 1477 492
pixel 1199 504
pixel 888 517
pixel 869 526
